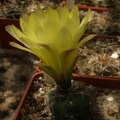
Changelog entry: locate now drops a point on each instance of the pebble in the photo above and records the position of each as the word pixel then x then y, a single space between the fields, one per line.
pixel 40 99
pixel 40 78
pixel 111 112
pixel 1 95
pixel 39 106
pixel 100 100
pixel 35 116
pixel 114 91
pixel 115 55
pixel 106 91
pixel 110 98
pixel 119 107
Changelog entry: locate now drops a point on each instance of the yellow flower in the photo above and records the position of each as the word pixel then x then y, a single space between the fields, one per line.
pixel 54 37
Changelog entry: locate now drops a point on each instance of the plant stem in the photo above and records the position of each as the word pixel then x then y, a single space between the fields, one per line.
pixel 64 85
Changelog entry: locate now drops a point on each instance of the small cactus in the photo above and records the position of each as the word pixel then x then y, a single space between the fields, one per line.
pixel 74 105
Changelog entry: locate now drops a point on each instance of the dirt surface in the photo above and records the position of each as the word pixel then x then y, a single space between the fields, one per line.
pixel 106 105
pixel 15 72
pixel 100 57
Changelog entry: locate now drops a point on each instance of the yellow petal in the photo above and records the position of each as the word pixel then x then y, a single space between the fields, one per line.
pixel 69 24
pixel 41 35
pixel 31 45
pixel 22 48
pixel 67 59
pixel 84 40
pixel 15 32
pixel 52 15
pixel 63 37
pixel 27 29
pixel 63 13
pixel 74 15
pixel 40 16
pixel 83 26
pixel 24 21
pixel 49 70
pixel 51 55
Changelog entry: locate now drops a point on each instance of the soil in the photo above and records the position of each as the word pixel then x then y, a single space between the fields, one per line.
pixel 106 105
pixel 99 57
pixel 15 72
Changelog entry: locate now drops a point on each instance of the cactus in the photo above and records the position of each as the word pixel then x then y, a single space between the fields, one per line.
pixel 74 105
pixel 57 51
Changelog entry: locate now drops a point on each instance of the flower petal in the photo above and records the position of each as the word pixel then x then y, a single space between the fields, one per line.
pixel 63 37
pixel 15 32
pixel 84 40
pixel 74 15
pixel 27 29
pixel 49 70
pixel 22 48
pixel 50 53
pixel 68 60
pixel 63 13
pixel 69 24
pixel 82 27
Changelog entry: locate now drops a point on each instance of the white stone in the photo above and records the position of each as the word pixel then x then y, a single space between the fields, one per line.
pixel 40 89
pixel 35 62
pixel 42 92
pixel 40 78
pixel 110 98
pixel 115 55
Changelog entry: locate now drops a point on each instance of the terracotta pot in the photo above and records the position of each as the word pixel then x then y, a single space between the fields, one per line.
pixel 21 104
pixel 96 8
pixel 5 37
pixel 97 81
pixel 101 36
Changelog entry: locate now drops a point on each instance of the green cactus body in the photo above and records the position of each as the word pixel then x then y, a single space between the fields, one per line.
pixel 74 105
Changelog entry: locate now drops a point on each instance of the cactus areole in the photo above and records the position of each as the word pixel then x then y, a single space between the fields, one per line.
pixel 54 36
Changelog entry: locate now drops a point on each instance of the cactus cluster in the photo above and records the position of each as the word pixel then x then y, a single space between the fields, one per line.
pixel 74 105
